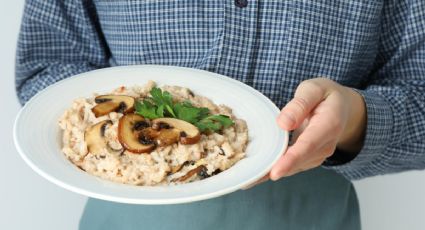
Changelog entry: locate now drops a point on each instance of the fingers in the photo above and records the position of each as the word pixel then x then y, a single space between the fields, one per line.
pixel 318 114
pixel 294 161
pixel 285 165
pixel 307 96
pixel 316 142
pixel 297 132
pixel 296 158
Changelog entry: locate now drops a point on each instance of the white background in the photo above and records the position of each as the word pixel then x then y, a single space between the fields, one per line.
pixel 28 201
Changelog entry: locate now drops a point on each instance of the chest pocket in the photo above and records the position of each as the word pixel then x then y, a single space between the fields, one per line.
pixel 338 39
pixel 183 33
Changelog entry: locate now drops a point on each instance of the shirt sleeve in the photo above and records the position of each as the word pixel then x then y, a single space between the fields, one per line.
pixel 57 39
pixel 394 97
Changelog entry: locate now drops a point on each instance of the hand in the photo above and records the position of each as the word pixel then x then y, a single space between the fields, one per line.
pixel 324 115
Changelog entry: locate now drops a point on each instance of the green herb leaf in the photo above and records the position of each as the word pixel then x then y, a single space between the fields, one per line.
pixel 204 112
pixel 170 110
pixel 161 98
pixel 186 112
pixel 160 111
pixel 160 104
pixel 147 110
pixel 223 119
pixel 214 123
pixel 208 125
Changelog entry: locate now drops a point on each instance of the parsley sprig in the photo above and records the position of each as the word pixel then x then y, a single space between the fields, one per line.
pixel 160 104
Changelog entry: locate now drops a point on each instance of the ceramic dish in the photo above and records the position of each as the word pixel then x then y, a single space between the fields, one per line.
pixel 37 135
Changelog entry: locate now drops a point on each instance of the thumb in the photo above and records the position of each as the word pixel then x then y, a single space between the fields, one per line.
pixel 307 96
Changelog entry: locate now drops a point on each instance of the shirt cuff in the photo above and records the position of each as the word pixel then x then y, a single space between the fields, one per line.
pixel 377 137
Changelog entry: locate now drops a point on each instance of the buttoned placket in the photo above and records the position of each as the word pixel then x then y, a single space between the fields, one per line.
pixel 241 3
pixel 240 40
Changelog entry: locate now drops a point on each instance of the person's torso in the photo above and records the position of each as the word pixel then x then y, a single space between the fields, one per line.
pixel 270 45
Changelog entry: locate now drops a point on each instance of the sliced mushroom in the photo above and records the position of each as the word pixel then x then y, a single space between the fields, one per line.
pixel 187 133
pixel 177 168
pixel 95 137
pixel 114 146
pixel 198 170
pixel 131 138
pixel 167 137
pixel 113 103
pixel 217 171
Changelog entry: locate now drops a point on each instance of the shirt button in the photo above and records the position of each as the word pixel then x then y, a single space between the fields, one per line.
pixel 241 3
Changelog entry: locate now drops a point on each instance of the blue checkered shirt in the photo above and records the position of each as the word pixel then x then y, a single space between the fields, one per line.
pixel 376 47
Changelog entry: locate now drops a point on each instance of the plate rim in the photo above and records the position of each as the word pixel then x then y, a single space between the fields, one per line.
pixel 150 201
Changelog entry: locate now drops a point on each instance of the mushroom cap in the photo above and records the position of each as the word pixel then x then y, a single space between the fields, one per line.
pixel 129 137
pixel 113 103
pixel 94 137
pixel 189 134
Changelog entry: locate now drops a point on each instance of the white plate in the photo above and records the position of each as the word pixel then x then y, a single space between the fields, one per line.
pixel 37 134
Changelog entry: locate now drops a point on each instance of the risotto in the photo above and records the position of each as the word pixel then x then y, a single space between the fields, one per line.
pixel 106 136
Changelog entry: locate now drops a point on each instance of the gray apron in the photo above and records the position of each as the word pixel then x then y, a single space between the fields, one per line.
pixel 316 199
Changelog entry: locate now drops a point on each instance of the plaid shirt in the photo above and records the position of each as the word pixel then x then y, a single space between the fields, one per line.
pixel 376 47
